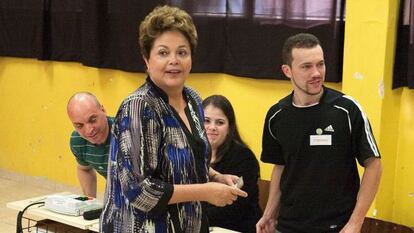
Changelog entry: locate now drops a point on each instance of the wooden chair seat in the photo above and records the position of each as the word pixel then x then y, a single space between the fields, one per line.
pixel 263 186
pixel 372 225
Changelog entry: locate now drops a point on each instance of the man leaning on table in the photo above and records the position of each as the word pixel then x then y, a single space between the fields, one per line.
pixel 89 141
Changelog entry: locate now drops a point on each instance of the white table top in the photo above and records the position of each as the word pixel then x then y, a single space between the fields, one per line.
pixel 41 211
pixel 221 230
pixel 79 222
pixel 94 227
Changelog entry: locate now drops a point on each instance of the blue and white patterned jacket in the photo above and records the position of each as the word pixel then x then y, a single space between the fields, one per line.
pixel 149 153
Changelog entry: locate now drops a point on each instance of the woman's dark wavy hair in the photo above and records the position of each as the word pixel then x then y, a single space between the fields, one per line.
pixel 233 136
pixel 162 19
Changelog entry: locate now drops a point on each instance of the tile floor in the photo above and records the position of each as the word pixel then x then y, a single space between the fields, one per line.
pixel 16 187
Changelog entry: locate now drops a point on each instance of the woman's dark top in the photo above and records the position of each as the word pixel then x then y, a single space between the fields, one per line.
pixel 244 213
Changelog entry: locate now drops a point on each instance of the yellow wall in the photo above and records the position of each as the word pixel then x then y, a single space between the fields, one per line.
pixel 404 166
pixel 368 63
pixel 368 58
pixel 43 127
pixel 35 130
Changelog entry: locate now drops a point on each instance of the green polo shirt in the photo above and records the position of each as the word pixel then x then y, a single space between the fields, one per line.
pixel 88 154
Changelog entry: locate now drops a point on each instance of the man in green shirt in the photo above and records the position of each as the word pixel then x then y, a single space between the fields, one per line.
pixel 90 140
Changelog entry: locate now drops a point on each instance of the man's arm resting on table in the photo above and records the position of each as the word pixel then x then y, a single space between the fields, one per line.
pixel 369 187
pixel 271 212
pixel 87 180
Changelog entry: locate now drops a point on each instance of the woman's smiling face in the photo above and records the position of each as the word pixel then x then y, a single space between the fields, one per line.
pixel 216 125
pixel 169 61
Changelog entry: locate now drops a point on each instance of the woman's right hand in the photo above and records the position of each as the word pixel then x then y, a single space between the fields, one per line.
pixel 266 224
pixel 221 195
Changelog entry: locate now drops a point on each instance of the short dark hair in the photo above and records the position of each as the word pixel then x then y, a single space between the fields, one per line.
pixel 162 19
pixel 233 136
pixel 301 40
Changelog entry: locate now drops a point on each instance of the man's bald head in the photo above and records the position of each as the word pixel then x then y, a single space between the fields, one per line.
pixel 82 97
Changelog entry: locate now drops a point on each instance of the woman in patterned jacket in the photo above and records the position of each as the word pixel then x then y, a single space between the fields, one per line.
pixel 158 175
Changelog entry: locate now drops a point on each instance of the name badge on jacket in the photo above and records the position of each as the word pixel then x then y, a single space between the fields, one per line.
pixel 321 140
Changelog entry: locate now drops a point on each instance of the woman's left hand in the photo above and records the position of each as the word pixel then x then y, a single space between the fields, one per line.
pixel 228 179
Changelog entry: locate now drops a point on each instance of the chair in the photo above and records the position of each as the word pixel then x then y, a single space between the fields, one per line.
pixel 372 225
pixel 263 192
